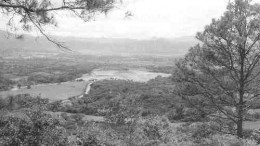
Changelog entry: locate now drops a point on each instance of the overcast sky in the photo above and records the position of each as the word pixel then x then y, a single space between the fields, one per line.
pixel 152 19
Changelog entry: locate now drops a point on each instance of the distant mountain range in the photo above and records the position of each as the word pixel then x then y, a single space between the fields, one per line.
pixel 98 46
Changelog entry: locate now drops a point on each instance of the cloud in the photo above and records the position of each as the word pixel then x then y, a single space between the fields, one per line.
pixel 152 18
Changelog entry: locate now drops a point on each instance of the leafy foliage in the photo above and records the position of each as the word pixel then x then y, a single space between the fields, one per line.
pixel 154 97
pixel 219 77
pixel 31 127
pixel 5 84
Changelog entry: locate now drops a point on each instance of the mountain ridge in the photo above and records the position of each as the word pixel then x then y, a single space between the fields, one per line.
pixel 101 46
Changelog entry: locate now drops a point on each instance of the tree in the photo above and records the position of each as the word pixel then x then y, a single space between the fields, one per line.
pixel 19 86
pixel 39 13
pixel 220 76
pixel 125 111
pixel 29 87
pixel 5 83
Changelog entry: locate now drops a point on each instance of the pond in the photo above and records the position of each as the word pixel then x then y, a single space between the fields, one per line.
pixel 137 75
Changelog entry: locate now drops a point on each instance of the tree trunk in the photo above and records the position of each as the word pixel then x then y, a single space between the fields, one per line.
pixel 240 126
pixel 240 114
pixel 240 110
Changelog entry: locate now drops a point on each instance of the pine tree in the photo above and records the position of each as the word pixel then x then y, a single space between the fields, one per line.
pixel 222 72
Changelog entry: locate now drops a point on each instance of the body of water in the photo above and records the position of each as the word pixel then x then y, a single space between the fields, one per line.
pixel 137 75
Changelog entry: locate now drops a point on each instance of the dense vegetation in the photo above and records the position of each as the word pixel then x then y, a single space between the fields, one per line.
pixel 29 121
pixel 44 70
pixel 5 83
pixel 155 97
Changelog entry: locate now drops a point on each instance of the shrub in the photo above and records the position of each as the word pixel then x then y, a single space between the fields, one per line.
pixel 31 127
pixel 205 134
pixel 256 136
pixel 177 114
pixel 29 87
pixel 253 114
pixel 3 103
pixel 229 140
pixel 25 101
pixel 5 84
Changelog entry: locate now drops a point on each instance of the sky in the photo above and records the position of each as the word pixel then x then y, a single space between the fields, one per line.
pixel 151 19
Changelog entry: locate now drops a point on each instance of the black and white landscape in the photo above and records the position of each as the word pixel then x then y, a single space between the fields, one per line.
pixel 129 73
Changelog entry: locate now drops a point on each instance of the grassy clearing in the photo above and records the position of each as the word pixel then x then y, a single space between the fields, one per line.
pixel 252 125
pixel 85 118
pixel 53 92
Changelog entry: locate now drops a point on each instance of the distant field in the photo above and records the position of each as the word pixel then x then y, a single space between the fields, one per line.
pixel 53 92
pixel 86 118
pixel 252 125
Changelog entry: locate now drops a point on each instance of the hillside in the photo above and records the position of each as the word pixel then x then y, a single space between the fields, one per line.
pixel 99 46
